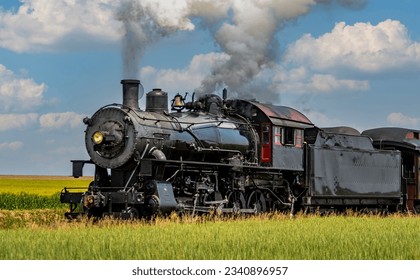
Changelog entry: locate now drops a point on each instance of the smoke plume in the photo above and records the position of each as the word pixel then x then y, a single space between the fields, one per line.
pixel 244 30
pixel 249 40
pixel 139 31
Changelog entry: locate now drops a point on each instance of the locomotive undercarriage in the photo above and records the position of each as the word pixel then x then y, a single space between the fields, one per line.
pixel 101 201
pixel 197 188
pixel 160 186
pixel 331 204
pixel 223 188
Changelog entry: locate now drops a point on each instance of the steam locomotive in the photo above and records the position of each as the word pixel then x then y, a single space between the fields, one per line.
pixel 225 155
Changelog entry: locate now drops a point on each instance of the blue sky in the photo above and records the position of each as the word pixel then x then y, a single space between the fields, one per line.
pixel 340 62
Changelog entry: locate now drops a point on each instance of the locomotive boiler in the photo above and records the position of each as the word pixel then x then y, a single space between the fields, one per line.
pixel 230 156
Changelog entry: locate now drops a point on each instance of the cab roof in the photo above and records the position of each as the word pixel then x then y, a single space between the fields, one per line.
pixel 282 115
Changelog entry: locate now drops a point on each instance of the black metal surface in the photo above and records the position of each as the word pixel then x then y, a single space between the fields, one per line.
pixel 341 172
pixel 345 165
pixel 342 130
pixel 77 167
pixel 395 137
pixel 71 197
pixel 157 101
pixel 278 115
pixel 164 191
pixel 131 93
pixel 187 135
pixel 288 158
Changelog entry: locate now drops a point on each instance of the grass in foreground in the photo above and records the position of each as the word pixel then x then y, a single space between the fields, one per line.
pixel 261 237
pixel 9 201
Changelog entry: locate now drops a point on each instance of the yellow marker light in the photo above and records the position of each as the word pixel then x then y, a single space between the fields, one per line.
pixel 98 137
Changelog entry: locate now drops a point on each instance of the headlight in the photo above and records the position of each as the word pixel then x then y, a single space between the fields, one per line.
pixel 98 137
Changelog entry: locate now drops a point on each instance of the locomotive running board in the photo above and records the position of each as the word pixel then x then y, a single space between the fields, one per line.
pixel 218 210
pixel 74 201
pixel 217 206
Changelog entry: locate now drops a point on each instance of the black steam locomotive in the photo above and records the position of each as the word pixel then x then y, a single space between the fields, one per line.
pixel 237 156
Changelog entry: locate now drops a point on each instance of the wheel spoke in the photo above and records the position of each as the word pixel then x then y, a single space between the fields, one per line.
pixel 257 201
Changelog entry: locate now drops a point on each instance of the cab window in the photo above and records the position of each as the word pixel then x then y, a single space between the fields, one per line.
pixel 287 136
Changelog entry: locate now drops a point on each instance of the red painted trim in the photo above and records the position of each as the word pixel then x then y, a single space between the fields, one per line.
pixel 266 142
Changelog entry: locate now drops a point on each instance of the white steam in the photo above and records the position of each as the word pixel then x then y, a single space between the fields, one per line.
pixel 244 30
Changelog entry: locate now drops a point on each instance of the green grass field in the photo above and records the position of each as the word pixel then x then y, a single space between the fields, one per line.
pixel 43 233
pixel 264 237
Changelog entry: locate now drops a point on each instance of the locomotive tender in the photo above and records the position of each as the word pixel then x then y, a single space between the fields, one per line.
pixel 236 156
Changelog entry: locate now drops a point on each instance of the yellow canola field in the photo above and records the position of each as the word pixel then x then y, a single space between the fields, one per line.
pixel 40 185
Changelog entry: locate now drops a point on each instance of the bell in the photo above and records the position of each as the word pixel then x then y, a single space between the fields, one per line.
pixel 178 102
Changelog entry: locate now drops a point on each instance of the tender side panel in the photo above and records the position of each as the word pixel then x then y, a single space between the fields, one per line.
pixel 349 173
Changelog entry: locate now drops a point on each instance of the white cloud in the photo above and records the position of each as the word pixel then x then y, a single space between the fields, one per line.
pixel 13 146
pixel 402 120
pixel 326 83
pixel 362 47
pixel 60 120
pixel 187 78
pixel 17 121
pixel 40 25
pixel 322 120
pixel 323 64
pixel 19 93
pixel 300 80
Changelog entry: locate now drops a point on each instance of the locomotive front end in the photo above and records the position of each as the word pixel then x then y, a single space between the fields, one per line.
pixel 111 134
pixel 110 137
pixel 120 140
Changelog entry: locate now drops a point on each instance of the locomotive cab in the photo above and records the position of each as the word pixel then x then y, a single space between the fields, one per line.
pixel 281 132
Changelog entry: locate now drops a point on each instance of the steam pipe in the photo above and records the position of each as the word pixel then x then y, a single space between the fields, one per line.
pixel 157 154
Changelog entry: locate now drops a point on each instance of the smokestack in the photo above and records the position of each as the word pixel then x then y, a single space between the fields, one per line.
pixel 131 90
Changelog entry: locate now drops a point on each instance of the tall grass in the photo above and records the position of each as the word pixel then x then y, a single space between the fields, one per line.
pixel 45 234
pixel 37 218
pixel 261 237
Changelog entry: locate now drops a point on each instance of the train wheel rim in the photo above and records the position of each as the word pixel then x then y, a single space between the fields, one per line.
pixel 236 200
pixel 257 201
